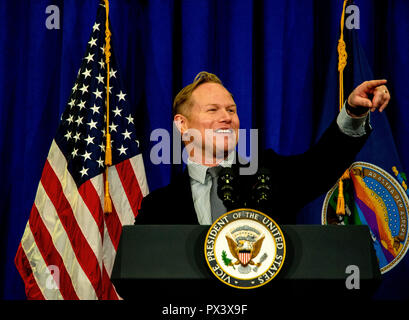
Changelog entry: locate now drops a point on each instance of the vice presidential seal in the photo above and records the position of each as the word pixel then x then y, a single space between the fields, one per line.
pixel 245 249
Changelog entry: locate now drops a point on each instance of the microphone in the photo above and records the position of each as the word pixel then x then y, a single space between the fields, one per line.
pixel 227 188
pixel 261 195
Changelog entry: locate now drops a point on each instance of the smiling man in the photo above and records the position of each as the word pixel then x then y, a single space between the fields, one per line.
pixel 206 115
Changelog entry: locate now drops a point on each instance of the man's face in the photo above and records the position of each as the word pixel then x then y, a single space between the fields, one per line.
pixel 213 116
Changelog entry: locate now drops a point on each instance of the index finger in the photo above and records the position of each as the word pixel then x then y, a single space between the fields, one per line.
pixel 375 83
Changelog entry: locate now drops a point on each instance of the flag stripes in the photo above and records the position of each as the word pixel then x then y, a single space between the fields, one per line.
pixel 68 236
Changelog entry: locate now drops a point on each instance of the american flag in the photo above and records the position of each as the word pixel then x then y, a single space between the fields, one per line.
pixel 69 244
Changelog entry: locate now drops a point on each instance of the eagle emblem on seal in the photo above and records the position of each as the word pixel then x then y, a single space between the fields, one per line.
pixel 245 245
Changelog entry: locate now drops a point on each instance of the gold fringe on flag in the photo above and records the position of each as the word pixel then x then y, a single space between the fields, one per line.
pixel 108 151
pixel 342 62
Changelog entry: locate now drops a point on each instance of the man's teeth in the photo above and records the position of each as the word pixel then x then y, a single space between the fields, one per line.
pixel 224 131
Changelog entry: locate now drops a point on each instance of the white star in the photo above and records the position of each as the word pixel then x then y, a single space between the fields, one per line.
pixel 113 127
pixel 117 111
pixel 122 150
pixel 89 140
pixel 87 73
pixel 75 85
pixel 95 109
pixel 77 136
pixel 103 48
pixel 84 171
pixel 92 42
pixel 74 153
pixel 137 143
pixel 81 105
pixel 100 78
pixel 102 63
pixel 71 103
pixel 79 120
pixel 92 124
pixel 100 162
pixel 121 96
pixel 86 155
pixel 102 146
pixel 129 118
pixel 95 27
pixel 84 88
pixel 70 119
pixel 112 73
pixel 89 57
pixel 68 135
pixel 98 94
pixel 126 134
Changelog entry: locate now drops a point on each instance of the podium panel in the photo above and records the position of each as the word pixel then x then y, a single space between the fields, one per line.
pixel 167 261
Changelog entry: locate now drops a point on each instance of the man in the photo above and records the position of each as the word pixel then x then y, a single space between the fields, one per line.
pixel 206 115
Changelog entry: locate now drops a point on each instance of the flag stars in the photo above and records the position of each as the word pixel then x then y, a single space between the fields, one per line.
pixel 77 136
pixel 98 94
pixel 126 134
pixel 112 73
pixel 92 42
pixel 79 120
pixel 95 109
pixel 84 89
pixel 122 150
pixel 70 119
pixel 71 103
pixel 121 96
pixel 68 135
pixel 95 27
pixel 117 111
pixel 89 140
pixel 100 163
pixel 81 105
pixel 130 119
pixel 86 155
pixel 92 124
pixel 100 78
pixel 84 171
pixel 86 73
pixel 74 153
pixel 113 127
pixel 89 57
pixel 102 63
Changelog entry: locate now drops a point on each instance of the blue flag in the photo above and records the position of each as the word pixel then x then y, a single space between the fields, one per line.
pixel 374 188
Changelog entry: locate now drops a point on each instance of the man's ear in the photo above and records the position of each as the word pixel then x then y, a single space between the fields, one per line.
pixel 180 123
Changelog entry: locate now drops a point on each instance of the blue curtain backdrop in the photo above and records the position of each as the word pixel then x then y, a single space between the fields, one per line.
pixel 274 57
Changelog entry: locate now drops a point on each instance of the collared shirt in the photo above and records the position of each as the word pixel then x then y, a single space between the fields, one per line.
pixel 201 182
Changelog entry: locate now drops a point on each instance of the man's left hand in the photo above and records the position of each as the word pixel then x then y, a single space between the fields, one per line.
pixel 370 94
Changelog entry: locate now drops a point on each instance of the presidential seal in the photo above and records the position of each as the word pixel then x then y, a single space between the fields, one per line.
pixel 245 249
pixel 373 197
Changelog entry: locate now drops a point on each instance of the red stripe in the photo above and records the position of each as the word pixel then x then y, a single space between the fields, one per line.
pixel 109 289
pixel 33 292
pixel 50 254
pixel 114 227
pixel 85 256
pixel 130 185
pixel 93 202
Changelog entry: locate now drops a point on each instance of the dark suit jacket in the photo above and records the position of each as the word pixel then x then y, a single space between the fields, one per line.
pixel 296 180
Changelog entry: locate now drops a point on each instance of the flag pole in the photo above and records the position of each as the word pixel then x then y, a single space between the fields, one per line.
pixel 342 62
pixel 108 151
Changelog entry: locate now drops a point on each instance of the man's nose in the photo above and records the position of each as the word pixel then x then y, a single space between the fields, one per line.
pixel 225 116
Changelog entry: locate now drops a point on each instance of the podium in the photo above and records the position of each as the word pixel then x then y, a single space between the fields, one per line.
pixel 165 262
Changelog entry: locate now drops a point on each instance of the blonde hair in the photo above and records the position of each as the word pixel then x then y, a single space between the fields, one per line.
pixel 182 102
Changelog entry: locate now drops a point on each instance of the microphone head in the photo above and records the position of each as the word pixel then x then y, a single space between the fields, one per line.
pixel 227 187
